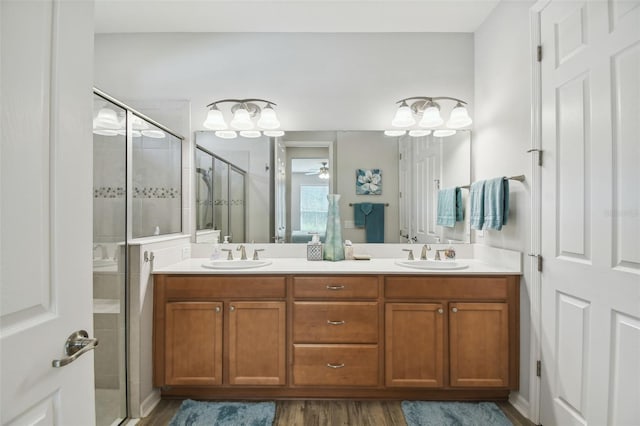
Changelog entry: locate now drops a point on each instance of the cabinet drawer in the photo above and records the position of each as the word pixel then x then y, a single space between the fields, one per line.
pixel 336 287
pixel 207 287
pixel 459 288
pixel 335 365
pixel 335 322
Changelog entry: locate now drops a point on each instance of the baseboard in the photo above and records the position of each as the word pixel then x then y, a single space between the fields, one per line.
pixel 520 404
pixel 149 403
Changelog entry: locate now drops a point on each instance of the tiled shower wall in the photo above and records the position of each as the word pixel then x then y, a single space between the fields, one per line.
pixel 157 174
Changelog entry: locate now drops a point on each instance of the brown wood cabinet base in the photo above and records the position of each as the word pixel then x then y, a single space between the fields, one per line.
pixel 257 393
pixel 336 336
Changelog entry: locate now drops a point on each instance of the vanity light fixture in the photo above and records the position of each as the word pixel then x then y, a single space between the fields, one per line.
pixel 443 133
pixel 244 111
pixel 427 110
pixel 416 133
pixel 394 132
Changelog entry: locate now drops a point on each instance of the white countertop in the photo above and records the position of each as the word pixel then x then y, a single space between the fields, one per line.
pixel 304 266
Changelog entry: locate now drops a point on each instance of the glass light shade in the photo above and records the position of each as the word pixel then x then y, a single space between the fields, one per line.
pixel 459 117
pixel 394 132
pixel 226 134
pixel 403 117
pixel 416 133
pixel 268 119
pixel 250 133
pixel 155 134
pixel 443 133
pixel 134 133
pixel 138 123
pixel 431 116
pixel 242 120
pixel 215 120
pixel 106 119
pixel 324 175
pixel 274 133
pixel 105 132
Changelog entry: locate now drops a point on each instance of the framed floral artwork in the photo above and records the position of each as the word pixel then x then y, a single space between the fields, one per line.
pixel 368 182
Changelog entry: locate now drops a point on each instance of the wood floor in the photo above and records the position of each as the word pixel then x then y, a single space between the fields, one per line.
pixel 327 413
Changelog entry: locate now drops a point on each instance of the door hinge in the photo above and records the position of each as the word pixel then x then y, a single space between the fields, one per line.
pixel 539 368
pixel 539 259
pixel 401 156
pixel 401 194
pixel 539 53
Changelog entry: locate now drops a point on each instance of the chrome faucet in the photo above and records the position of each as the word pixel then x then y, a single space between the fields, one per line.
pixel 255 253
pixel 243 252
pixel 425 249
pixel 229 253
pixel 410 254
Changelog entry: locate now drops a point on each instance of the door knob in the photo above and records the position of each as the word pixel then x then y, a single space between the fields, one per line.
pixel 77 344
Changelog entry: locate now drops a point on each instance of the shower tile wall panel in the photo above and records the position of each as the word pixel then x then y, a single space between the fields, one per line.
pixel 109 188
pixel 157 175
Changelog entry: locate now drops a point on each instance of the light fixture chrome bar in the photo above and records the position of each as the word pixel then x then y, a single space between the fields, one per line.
pixel 242 101
pixel 429 98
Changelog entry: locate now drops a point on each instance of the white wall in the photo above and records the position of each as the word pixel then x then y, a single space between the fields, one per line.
pixel 319 81
pixel 501 138
pixel 368 150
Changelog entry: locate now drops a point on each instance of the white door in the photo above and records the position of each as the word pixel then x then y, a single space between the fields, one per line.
pixel 591 213
pixel 45 216
pixel 426 182
pixel 404 187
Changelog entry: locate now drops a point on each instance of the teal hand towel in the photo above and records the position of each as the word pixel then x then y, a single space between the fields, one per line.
pixel 476 204
pixel 496 203
pixel 360 210
pixel 375 224
pixel 459 206
pixel 447 211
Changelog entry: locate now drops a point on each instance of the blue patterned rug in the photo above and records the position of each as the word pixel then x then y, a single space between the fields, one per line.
pixel 197 413
pixel 429 413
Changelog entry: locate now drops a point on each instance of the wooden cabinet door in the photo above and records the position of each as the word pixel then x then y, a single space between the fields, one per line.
pixel 193 343
pixel 479 345
pixel 414 345
pixel 257 343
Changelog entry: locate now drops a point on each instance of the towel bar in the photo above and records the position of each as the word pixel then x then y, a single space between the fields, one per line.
pixel 519 178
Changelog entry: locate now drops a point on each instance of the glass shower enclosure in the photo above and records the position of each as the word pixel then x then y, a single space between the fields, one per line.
pixel 136 193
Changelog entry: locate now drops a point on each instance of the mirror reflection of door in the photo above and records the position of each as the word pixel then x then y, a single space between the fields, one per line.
pixel 307 201
pixel 236 204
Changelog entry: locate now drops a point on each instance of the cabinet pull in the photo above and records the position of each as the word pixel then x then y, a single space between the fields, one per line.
pixel 335 322
pixel 440 311
pixel 217 308
pixel 335 287
pixel 454 309
pixel 335 365
pixel 232 308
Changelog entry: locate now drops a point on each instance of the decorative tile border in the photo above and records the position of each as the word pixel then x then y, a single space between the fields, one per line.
pixel 239 202
pixel 108 192
pixel 145 192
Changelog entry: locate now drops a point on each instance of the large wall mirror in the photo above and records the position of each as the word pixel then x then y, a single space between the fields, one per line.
pixel 286 180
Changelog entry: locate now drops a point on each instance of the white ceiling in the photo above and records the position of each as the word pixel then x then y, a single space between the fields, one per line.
pixel 323 16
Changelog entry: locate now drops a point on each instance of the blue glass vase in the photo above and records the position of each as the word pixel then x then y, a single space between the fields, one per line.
pixel 333 248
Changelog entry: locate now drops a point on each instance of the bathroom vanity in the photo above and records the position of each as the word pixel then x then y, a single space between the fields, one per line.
pixel 371 329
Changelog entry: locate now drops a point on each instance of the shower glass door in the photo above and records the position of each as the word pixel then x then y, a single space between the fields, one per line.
pixel 109 260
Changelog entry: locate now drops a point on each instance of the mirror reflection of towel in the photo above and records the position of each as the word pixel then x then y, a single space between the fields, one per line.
pixel 450 208
pixel 371 217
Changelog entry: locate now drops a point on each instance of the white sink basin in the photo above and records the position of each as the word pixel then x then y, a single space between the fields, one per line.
pixel 236 264
pixel 431 264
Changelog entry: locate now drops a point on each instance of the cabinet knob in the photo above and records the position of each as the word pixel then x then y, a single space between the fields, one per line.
pixel 440 311
pixel 454 309
pixel 232 308
pixel 218 309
